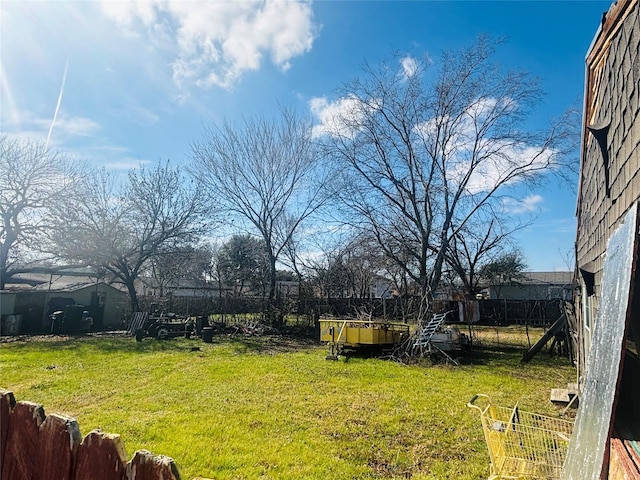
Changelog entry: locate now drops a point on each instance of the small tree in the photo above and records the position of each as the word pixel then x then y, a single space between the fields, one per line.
pixel 33 180
pixel 121 227
pixel 355 267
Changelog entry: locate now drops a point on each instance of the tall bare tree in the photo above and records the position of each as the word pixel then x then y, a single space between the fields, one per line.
pixel 265 174
pixel 33 178
pixel 121 226
pixel 422 152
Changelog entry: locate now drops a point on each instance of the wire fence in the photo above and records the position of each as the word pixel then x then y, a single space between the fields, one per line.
pixel 502 324
pixel 520 337
pixel 488 312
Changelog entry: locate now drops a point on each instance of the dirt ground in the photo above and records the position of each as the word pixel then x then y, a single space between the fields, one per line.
pixel 60 338
pixel 265 344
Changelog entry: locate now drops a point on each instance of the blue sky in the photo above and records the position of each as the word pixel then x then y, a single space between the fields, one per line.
pixel 134 82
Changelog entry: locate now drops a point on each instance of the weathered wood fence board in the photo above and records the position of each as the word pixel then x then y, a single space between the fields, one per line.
pixel 101 455
pixel 35 446
pixel 7 402
pixel 146 466
pixel 58 444
pixel 20 460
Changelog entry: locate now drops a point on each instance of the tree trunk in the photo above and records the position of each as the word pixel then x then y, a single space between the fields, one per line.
pixel 273 314
pixel 4 259
pixel 133 296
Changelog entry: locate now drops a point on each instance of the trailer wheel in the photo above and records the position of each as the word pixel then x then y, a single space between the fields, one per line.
pixel 163 333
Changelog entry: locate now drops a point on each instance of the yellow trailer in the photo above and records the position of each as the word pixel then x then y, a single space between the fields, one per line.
pixel 360 333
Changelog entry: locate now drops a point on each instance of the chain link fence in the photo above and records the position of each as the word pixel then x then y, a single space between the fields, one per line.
pixel 521 337
pixel 492 323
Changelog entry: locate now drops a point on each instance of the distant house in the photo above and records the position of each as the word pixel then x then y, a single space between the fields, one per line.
pixel 179 287
pixel 535 286
pixel 365 286
pixel 381 287
pixel 288 288
pixel 32 297
pixel 188 287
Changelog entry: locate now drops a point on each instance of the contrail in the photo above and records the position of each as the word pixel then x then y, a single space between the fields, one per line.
pixel 55 114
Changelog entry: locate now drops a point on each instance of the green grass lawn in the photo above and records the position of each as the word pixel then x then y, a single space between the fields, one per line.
pixel 260 408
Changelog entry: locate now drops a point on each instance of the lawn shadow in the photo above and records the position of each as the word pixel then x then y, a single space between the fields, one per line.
pixel 102 341
pixel 120 342
pixel 493 355
pixel 508 356
pixel 267 344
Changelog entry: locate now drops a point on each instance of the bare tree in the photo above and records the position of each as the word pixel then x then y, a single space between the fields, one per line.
pixel 243 265
pixel 354 269
pixel 120 227
pixel 421 153
pixel 33 178
pixel 315 269
pixel 265 174
pixel 481 242
pixel 167 267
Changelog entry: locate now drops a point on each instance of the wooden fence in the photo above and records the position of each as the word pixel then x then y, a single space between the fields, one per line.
pixel 35 446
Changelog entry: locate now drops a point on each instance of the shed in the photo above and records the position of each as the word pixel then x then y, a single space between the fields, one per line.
pixel 33 297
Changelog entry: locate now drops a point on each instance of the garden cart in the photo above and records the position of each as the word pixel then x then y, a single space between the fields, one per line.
pixel 522 445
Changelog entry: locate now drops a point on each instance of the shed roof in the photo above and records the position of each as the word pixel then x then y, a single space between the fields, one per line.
pixel 40 282
pixel 547 278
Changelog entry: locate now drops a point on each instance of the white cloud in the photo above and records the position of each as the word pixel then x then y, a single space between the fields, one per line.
pixel 528 204
pixel 126 164
pixel 409 66
pixel 111 157
pixel 215 43
pixel 340 118
pixel 496 162
pixel 76 126
pixel 499 168
pixel 27 123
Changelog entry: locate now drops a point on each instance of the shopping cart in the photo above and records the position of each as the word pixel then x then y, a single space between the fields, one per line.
pixel 522 445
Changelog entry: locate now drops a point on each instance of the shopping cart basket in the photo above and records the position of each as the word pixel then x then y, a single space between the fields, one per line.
pixel 522 445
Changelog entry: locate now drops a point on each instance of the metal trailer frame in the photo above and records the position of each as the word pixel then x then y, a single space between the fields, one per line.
pixel 160 327
pixel 523 445
pixel 360 333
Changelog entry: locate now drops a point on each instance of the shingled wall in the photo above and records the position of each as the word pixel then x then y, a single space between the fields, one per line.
pixel 35 446
pixel 610 161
